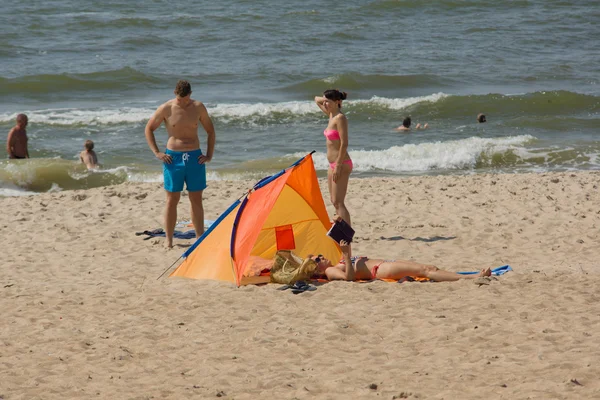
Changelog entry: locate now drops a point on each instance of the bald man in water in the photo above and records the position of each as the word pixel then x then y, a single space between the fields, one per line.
pixel 16 143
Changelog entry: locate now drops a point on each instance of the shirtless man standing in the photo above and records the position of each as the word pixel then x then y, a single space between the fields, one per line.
pixel 183 160
pixel 16 143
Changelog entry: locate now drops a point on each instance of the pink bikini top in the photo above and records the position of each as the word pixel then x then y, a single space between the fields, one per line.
pixel 331 134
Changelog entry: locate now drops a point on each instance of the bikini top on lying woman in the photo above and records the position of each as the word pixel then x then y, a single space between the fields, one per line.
pixel 374 268
pixel 331 134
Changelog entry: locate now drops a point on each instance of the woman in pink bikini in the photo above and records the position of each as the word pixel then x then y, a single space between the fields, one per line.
pixel 340 164
pixel 364 268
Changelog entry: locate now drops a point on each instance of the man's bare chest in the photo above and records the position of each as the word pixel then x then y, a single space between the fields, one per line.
pixel 183 119
pixel 21 136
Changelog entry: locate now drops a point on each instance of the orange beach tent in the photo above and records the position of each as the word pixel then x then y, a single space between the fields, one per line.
pixel 281 212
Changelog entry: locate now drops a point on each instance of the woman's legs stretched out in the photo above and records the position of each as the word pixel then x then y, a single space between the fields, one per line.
pixel 399 269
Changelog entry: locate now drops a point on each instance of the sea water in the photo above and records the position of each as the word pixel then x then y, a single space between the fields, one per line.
pixel 99 69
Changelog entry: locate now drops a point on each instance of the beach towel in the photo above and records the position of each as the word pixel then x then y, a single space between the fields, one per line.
pixel 188 224
pixel 189 234
pixel 495 272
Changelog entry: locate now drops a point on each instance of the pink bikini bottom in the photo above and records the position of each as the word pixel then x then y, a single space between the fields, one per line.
pixel 349 162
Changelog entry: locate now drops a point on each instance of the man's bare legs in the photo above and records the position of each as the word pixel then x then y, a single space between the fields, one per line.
pixel 171 215
pixel 337 191
pixel 197 212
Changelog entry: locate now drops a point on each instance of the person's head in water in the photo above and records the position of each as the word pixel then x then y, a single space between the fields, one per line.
pixel 334 98
pixel 89 145
pixel 406 122
pixel 481 118
pixel 183 88
pixel 22 120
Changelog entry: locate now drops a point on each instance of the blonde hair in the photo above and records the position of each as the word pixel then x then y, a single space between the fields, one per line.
pixel 289 268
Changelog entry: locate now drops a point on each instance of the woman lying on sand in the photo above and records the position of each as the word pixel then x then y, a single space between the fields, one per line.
pixel 364 268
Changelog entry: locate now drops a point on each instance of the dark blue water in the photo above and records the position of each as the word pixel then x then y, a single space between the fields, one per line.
pixel 98 70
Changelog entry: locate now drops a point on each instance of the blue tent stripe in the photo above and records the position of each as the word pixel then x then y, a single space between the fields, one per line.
pixel 258 184
pixel 301 159
pixel 209 230
pixel 235 226
pixel 269 179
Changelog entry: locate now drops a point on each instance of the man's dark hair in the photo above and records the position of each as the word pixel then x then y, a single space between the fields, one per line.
pixel 406 122
pixel 481 118
pixel 183 88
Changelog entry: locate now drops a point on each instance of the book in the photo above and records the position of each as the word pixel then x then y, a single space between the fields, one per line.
pixel 340 230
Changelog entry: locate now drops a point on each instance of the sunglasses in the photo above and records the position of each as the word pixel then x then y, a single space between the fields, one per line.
pixel 319 258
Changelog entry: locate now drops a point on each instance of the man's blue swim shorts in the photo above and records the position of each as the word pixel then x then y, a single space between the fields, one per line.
pixel 184 168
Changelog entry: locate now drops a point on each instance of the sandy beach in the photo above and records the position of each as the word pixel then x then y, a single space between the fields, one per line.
pixel 85 317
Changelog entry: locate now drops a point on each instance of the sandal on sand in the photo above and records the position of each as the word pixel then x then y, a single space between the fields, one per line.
pixel 301 286
pixel 153 232
pixel 298 287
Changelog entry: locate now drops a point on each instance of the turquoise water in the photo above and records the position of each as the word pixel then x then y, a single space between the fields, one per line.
pixel 98 70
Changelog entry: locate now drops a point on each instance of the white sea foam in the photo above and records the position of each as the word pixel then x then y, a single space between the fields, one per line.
pixel 8 190
pixel 241 110
pixel 399 104
pixel 144 177
pixel 225 111
pixel 454 154
pixel 152 177
pixel 55 188
pixel 76 116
